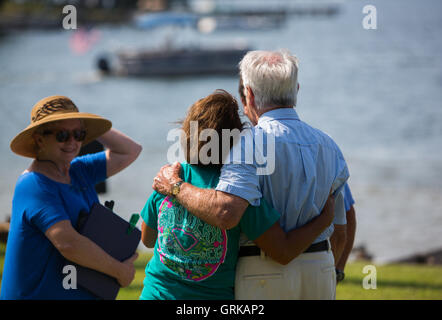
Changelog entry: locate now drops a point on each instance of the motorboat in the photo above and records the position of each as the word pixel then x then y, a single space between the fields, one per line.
pixel 171 61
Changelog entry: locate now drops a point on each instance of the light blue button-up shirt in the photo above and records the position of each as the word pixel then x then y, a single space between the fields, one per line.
pixel 307 165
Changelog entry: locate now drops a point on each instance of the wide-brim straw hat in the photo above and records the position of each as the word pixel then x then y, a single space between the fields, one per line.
pixel 55 108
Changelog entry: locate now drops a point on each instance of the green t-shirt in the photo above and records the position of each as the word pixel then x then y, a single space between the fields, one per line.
pixel 192 259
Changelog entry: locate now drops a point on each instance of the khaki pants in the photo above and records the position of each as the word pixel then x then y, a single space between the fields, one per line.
pixel 310 276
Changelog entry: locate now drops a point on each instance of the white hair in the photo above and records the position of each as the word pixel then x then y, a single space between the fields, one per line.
pixel 272 76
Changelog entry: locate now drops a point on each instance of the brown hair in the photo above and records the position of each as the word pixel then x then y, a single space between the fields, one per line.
pixel 217 111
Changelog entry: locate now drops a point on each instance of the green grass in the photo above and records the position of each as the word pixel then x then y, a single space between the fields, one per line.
pixel 394 282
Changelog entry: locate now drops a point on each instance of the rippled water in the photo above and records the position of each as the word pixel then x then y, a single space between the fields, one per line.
pixel 377 92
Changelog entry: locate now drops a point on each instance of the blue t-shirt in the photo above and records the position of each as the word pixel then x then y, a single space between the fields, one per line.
pixel 348 198
pixel 33 267
pixel 192 259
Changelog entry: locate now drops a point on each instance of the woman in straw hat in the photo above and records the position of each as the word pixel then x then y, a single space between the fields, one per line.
pixel 50 194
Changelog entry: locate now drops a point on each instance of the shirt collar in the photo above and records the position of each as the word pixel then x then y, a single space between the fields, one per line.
pixel 279 114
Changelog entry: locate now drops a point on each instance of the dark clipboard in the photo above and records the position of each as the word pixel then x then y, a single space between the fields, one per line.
pixel 110 232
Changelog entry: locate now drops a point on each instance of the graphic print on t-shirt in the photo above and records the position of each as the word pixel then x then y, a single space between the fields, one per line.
pixel 191 248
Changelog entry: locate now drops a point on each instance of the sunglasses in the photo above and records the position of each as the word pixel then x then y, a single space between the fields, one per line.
pixel 65 135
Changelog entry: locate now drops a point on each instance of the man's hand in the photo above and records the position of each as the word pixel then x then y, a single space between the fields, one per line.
pixel 166 178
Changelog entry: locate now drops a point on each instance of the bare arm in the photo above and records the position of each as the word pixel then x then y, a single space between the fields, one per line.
pixel 148 235
pixel 337 241
pixel 79 249
pixel 217 208
pixel 284 247
pixel 121 151
pixel 351 231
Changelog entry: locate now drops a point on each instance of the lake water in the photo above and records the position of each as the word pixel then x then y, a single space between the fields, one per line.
pixel 378 93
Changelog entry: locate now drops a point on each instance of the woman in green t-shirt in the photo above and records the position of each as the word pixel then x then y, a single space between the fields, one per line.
pixel 192 259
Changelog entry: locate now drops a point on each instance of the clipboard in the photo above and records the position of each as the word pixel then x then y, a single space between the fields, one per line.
pixel 116 237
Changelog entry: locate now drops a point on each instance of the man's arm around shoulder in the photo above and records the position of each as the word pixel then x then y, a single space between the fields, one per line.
pixel 217 208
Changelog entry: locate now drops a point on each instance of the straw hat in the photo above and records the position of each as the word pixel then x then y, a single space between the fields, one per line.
pixel 55 108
